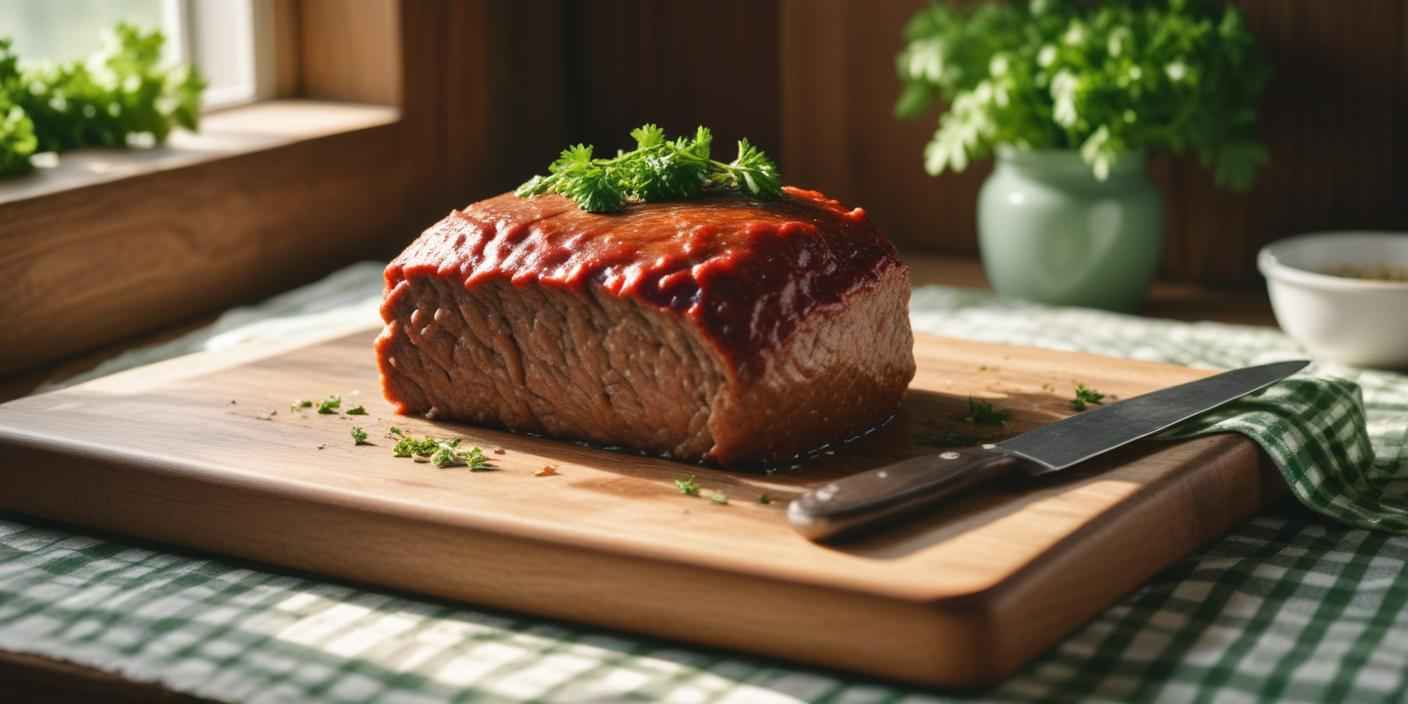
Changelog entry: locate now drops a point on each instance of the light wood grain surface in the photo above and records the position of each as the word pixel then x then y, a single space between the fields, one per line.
pixel 962 596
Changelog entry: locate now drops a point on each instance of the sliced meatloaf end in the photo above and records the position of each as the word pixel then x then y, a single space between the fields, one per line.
pixel 723 329
pixel 541 359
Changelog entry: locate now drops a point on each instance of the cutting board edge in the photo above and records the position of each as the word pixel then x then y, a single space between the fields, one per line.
pixel 896 625
pixel 1218 493
pixel 201 476
pixel 167 509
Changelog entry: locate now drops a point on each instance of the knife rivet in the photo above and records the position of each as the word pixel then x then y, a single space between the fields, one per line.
pixel 948 455
pixel 988 446
pixel 883 474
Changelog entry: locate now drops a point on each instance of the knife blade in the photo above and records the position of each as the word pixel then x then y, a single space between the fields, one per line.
pixel 877 496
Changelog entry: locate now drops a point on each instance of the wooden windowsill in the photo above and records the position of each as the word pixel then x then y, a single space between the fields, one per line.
pixel 228 133
pixel 121 244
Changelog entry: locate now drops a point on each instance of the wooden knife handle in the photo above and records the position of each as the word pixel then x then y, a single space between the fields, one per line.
pixel 881 495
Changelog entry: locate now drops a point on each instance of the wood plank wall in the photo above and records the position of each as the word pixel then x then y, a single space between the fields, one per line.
pixel 813 81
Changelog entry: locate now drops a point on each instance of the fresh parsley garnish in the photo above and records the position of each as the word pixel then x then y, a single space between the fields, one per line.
pixel 359 436
pixel 657 169
pixel 357 411
pixel 329 405
pixel 719 498
pixel 688 486
pixel 1086 395
pixel 983 413
pixel 441 453
pixel 764 499
pixel 297 405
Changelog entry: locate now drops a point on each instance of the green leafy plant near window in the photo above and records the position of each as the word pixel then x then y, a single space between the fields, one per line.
pixel 1102 78
pixel 117 97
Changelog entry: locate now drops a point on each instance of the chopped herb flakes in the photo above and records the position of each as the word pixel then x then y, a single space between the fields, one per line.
pixel 441 453
pixel 359 436
pixel 1086 395
pixel 305 403
pixel 764 499
pixel 688 486
pixel 330 405
pixel 357 411
pixel 719 498
pixel 983 413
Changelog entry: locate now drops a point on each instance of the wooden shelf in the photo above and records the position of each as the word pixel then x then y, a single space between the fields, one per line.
pixel 1186 302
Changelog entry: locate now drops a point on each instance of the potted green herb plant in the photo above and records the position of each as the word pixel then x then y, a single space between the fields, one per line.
pixel 1071 98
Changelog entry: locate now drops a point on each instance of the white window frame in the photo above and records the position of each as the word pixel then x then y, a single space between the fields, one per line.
pixel 252 24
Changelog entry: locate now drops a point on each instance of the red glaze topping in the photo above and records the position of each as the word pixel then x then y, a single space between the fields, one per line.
pixel 746 271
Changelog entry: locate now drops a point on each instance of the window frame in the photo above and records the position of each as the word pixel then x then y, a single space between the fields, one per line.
pixel 252 24
pixel 122 243
pixel 121 258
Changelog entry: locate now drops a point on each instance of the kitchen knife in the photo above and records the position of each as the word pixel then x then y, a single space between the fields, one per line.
pixel 880 495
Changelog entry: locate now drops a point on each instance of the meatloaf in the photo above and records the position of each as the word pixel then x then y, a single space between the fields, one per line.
pixel 722 329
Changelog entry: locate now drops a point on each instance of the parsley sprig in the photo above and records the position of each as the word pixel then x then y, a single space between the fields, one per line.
pixel 658 169
pixel 983 413
pixel 1085 396
pixel 688 485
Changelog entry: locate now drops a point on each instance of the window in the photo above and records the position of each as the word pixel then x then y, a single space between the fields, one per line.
pixel 229 40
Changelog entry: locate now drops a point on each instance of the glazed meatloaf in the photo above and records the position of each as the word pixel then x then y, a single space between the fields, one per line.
pixel 721 329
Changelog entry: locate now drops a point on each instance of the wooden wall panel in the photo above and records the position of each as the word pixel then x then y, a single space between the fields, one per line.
pixel 1334 119
pixel 839 126
pixel 813 82
pixel 351 52
pixel 678 64
pixel 1329 119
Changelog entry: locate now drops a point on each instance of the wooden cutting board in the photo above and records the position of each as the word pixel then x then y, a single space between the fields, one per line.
pixel 204 451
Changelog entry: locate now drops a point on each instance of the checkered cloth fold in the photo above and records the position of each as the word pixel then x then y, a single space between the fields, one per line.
pixel 1314 430
pixel 1292 606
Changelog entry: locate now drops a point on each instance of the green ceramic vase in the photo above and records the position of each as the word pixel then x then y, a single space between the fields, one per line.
pixel 1051 232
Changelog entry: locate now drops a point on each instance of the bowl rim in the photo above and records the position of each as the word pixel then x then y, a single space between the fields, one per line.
pixel 1274 267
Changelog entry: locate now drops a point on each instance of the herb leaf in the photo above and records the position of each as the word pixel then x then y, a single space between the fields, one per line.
pixel 983 413
pixel 359 436
pixel 719 498
pixel 441 453
pixel 120 95
pixel 658 169
pixel 329 405
pixel 357 411
pixel 1086 395
pixel 688 486
pixel 1104 79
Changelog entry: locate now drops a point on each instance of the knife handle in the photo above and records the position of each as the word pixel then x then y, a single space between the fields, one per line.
pixel 862 500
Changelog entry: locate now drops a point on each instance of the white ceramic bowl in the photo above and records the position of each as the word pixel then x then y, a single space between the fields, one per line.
pixel 1353 321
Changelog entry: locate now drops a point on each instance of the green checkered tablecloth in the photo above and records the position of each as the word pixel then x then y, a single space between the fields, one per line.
pixel 1293 606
